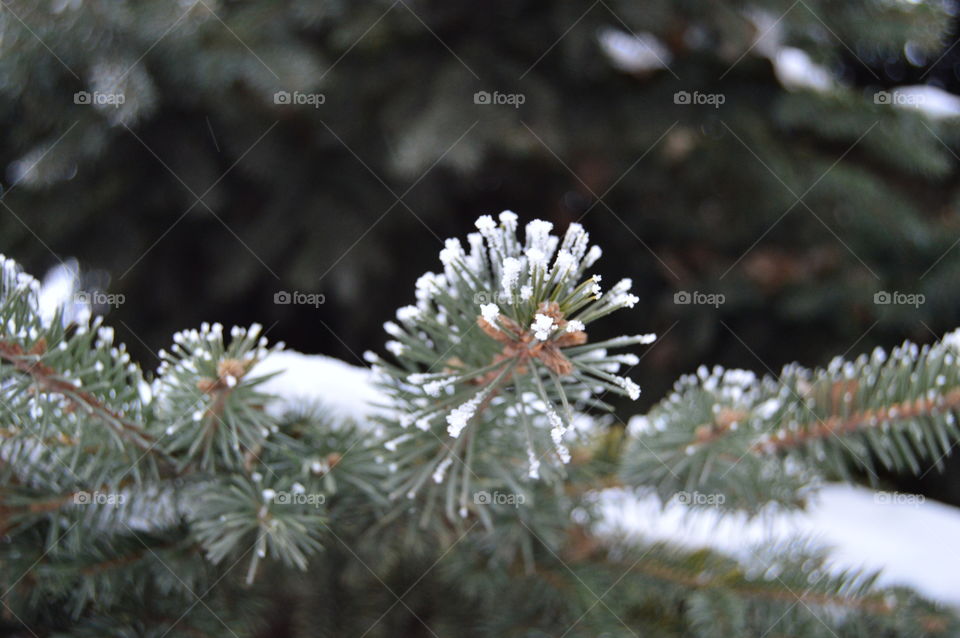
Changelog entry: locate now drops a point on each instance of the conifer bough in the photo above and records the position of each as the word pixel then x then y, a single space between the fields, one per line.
pixel 489 390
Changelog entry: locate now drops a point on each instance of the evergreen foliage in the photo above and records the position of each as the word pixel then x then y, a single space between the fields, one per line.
pixel 128 499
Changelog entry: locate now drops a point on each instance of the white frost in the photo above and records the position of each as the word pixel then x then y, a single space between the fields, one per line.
pixel 542 327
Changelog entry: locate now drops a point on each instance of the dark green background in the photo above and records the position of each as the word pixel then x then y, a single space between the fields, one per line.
pixel 680 197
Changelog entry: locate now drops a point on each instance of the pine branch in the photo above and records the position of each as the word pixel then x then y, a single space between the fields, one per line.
pixel 759 440
pixel 48 380
pixel 491 392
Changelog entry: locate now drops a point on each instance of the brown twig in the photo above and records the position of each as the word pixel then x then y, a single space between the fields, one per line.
pixel 836 425
pixel 49 381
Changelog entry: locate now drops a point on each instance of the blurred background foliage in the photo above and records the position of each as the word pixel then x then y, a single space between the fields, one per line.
pixel 200 196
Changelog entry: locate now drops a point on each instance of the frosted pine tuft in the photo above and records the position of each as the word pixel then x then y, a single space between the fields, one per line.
pixel 495 361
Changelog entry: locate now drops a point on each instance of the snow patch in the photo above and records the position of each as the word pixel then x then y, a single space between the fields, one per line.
pixel 59 291
pixel 910 541
pixel 341 388
pixel 634 53
pixel 795 70
pixel 933 102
